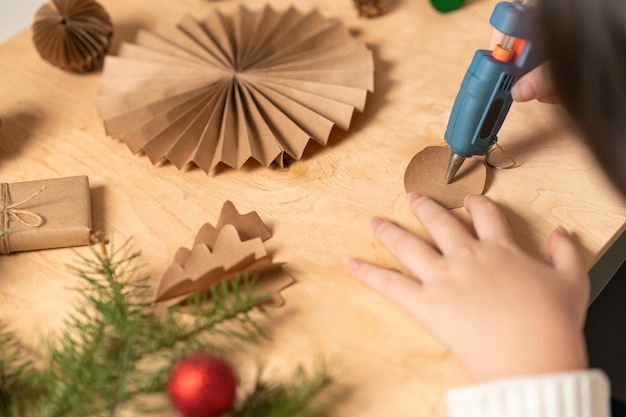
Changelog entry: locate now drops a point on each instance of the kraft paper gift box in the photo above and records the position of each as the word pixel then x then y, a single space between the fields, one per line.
pixel 45 214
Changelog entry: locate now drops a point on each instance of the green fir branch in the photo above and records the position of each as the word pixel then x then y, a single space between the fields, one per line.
pixel 117 348
pixel 16 373
pixel 306 396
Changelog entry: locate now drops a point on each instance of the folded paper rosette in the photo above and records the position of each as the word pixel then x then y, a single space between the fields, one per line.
pixel 229 88
pixel 73 35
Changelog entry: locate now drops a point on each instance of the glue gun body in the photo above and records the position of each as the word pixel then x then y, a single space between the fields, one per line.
pixel 484 98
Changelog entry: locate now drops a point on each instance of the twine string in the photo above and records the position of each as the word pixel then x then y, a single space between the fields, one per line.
pixel 513 163
pixel 13 211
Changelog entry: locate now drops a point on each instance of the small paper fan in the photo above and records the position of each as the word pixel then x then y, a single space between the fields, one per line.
pixel 73 35
pixel 229 88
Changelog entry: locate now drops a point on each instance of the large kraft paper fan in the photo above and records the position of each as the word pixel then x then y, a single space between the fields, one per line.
pixel 252 84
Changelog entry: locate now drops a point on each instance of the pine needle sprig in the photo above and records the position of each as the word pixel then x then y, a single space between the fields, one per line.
pixel 305 396
pixel 16 372
pixel 117 349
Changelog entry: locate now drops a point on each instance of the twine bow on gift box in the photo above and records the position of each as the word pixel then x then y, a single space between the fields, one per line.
pixel 8 211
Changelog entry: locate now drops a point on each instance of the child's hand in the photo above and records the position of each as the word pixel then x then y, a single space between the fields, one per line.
pixel 500 311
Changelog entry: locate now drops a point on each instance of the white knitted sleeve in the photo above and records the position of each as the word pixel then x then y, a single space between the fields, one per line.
pixel 568 394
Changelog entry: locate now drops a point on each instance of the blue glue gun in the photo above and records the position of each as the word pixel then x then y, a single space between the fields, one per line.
pixel 484 98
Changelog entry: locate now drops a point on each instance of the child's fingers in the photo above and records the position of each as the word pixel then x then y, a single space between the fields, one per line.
pixel 448 233
pixel 398 287
pixel 488 219
pixel 414 253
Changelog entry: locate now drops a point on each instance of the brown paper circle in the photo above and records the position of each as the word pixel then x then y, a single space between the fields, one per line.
pixel 426 174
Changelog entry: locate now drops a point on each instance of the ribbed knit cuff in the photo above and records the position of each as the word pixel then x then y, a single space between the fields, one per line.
pixel 567 394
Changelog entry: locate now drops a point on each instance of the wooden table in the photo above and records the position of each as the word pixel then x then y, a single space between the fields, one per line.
pixel 318 209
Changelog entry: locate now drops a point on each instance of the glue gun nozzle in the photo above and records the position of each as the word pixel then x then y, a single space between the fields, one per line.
pixel 455 163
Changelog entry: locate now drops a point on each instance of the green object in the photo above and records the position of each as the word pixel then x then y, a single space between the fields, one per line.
pixel 97 366
pixel 446 6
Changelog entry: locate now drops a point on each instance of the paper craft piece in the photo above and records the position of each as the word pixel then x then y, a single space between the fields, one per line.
pixel 233 248
pixel 426 174
pixel 229 88
pixel 249 226
pixel 45 214
pixel 1 134
pixel 369 8
pixel 72 34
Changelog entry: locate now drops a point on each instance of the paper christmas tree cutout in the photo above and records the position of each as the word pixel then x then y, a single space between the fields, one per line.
pixel 234 247
pixel 230 88
pixel 72 34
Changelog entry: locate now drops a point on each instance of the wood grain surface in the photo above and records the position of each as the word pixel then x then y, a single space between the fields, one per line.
pixel 318 209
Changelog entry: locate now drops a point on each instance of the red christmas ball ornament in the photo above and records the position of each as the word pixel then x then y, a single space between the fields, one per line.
pixel 202 385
